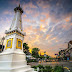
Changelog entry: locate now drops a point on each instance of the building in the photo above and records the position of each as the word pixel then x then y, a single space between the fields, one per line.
pixel 70 49
pixel 67 53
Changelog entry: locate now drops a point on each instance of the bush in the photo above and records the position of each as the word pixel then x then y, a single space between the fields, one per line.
pixel 40 70
pixel 58 69
pixel 35 67
pixel 45 70
pixel 48 68
pixel 40 66
pixel 31 60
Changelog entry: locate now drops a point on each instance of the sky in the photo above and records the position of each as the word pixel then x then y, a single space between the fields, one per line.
pixel 47 23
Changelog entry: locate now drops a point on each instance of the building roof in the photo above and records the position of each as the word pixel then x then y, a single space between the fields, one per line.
pixel 70 42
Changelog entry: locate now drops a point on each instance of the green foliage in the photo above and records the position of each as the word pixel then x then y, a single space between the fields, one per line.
pixel 59 53
pixel 25 45
pixel 35 52
pixel 26 48
pixel 40 66
pixel 45 70
pixel 41 57
pixel 40 70
pixel 58 69
pixel 49 68
pixel 31 60
pixel 47 57
pixel 34 67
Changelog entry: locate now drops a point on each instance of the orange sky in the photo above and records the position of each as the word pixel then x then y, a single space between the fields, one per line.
pixel 48 24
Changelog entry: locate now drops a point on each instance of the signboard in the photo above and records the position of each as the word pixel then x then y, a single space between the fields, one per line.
pixel 44 55
pixel 67 58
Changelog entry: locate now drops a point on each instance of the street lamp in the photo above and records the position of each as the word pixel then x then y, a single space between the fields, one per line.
pixel 2 42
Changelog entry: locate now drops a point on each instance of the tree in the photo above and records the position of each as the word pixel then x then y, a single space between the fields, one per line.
pixel 35 52
pixel 41 57
pixel 26 48
pixel 47 57
pixel 25 45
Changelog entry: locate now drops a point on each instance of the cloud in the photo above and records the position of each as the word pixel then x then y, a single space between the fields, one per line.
pixel 15 2
pixel 47 35
pixel 24 15
pixel 47 24
pixel 7 12
pixel 29 7
pixel 42 4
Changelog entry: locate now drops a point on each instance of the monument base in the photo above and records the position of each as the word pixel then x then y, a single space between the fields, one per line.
pixel 14 62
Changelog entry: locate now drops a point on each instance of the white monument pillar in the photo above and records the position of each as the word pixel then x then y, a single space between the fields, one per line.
pixel 12 59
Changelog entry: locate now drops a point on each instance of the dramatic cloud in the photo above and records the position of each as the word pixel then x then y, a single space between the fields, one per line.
pixel 47 23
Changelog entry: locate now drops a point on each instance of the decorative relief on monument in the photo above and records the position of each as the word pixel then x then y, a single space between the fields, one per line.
pixel 9 43
pixel 19 44
pixel 16 33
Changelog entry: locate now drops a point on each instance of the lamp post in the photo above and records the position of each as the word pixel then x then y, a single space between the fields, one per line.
pixel 2 42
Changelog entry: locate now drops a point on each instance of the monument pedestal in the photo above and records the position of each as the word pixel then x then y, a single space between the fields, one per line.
pixel 14 62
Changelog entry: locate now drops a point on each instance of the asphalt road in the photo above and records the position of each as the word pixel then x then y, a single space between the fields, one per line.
pixel 64 64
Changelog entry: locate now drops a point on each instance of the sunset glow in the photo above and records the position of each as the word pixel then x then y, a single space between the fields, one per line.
pixel 47 23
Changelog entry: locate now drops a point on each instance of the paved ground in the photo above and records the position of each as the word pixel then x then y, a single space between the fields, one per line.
pixel 65 64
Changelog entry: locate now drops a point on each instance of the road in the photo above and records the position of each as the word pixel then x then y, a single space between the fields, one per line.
pixel 65 64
